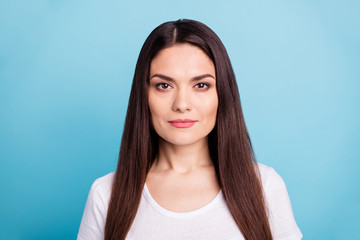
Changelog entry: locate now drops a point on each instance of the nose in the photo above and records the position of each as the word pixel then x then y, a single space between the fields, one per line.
pixel 182 101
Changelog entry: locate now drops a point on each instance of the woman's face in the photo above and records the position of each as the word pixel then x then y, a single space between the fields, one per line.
pixel 182 95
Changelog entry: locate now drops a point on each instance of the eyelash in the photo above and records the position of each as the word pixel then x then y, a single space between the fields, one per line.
pixel 203 88
pixel 158 86
pixel 206 85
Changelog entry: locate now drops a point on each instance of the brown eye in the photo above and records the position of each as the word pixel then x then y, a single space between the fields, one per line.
pixel 163 86
pixel 202 85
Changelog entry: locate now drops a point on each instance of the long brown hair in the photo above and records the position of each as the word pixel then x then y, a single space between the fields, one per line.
pixel 229 143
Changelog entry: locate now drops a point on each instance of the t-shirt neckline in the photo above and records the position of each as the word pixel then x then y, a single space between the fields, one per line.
pixel 172 214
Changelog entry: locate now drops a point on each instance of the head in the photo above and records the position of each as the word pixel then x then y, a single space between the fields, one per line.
pixel 166 47
pixel 182 95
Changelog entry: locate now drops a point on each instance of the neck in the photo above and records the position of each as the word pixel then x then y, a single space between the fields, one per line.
pixel 182 159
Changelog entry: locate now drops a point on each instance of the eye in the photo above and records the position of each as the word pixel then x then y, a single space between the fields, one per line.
pixel 202 86
pixel 163 86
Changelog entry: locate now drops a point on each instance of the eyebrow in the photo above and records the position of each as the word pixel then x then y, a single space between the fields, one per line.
pixel 167 78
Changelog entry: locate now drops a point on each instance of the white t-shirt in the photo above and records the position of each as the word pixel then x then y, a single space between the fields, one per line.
pixel 212 221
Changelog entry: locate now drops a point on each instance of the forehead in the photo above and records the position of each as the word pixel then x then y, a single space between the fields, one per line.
pixel 182 59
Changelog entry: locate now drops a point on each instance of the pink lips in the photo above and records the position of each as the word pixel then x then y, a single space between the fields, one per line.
pixel 182 123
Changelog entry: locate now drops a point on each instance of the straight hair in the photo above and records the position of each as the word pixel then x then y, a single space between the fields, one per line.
pixel 229 142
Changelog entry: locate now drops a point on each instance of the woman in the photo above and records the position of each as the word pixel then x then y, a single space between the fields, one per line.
pixel 186 167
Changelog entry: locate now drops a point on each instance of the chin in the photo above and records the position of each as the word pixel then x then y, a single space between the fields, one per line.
pixel 183 140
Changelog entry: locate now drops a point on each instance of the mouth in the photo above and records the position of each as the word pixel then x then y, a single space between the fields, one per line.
pixel 182 123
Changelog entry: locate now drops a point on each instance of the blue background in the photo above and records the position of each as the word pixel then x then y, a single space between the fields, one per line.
pixel 66 69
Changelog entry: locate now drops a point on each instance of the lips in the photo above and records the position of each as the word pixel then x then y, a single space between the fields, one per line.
pixel 182 123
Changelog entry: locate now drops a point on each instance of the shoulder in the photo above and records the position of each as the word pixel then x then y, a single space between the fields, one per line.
pixel 94 216
pixel 104 181
pixel 273 185
pixel 103 184
pixel 101 188
pixel 269 177
pixel 280 212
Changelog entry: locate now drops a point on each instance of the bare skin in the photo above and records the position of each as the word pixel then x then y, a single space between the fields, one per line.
pixel 183 177
pixel 186 186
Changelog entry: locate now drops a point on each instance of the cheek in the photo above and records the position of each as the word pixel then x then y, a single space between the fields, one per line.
pixel 213 111
pixel 153 113
pixel 209 107
pixel 157 107
pixel 152 105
